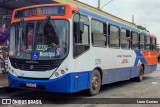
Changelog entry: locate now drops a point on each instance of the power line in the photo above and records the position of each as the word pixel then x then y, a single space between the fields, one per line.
pixel 105 4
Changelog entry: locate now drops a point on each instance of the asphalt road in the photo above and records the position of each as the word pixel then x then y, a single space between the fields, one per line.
pixel 148 88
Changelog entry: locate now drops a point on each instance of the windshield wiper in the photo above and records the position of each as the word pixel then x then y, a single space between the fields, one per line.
pixel 45 21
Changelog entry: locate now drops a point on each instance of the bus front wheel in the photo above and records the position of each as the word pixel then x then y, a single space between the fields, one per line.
pixel 95 83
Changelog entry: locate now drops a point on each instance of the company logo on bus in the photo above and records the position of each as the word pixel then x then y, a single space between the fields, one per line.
pixel 31 67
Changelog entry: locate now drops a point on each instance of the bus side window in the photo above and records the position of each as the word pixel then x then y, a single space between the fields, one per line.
pixel 148 43
pixel 142 39
pixel 75 28
pixel 84 37
pixel 153 44
pixel 125 39
pixel 114 36
pixel 99 32
pixel 80 39
pixel 75 39
pixel 134 41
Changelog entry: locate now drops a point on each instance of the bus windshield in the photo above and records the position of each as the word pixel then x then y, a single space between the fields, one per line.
pixel 47 39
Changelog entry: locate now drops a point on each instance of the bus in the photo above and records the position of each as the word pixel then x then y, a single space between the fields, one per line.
pixel 64 48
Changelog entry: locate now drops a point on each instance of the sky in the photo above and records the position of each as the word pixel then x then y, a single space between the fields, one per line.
pixel 146 12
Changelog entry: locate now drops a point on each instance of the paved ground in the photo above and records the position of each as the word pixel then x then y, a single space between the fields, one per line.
pixel 148 88
pixel 3 80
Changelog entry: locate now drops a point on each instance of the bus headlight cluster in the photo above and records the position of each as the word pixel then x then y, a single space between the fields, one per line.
pixel 13 72
pixel 62 72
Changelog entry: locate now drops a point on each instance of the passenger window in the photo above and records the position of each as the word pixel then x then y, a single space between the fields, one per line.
pixel 125 39
pixel 85 35
pixel 148 43
pixel 83 38
pixel 142 42
pixel 114 33
pixel 80 39
pixel 135 41
pixel 75 28
pixel 153 44
pixel 99 33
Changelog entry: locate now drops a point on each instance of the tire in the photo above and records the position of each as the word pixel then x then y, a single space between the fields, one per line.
pixel 141 73
pixel 95 83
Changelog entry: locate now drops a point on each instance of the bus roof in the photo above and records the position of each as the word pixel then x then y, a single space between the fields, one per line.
pixel 143 32
pixel 72 7
pixel 152 35
pixel 112 21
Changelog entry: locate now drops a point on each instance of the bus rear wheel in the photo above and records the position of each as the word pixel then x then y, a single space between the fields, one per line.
pixel 140 77
pixel 95 83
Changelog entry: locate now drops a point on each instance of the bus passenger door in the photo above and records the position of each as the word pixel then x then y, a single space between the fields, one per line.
pixel 80 50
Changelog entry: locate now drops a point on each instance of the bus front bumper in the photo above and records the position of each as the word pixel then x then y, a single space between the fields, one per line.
pixel 61 84
pixel 65 84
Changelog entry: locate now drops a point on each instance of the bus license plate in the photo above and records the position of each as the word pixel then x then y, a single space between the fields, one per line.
pixel 31 85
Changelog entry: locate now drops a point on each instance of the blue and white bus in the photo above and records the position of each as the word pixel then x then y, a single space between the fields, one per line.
pixel 64 48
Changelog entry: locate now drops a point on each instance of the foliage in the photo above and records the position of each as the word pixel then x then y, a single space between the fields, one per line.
pixel 141 27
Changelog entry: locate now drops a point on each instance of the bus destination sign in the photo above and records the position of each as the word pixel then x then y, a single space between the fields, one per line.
pixel 40 11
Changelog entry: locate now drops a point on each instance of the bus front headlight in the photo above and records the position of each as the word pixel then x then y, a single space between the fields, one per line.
pixel 62 71
pixel 57 74
pixel 11 69
pixel 13 72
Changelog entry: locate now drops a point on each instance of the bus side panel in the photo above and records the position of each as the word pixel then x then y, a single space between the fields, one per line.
pixel 135 72
pixel 114 75
pixel 151 61
pixel 138 62
pixel 154 68
pixel 143 57
pixel 150 68
pixel 82 81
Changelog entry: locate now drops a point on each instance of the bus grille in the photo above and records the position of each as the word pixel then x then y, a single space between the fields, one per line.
pixel 28 67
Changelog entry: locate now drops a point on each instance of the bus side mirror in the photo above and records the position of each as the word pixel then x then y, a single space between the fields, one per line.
pixel 81 26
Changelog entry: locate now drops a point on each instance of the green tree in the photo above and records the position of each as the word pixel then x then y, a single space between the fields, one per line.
pixel 143 28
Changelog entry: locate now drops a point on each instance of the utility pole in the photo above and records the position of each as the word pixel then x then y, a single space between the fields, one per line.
pixel 132 18
pixel 99 4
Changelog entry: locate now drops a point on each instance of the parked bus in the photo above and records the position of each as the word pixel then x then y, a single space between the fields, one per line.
pixel 64 48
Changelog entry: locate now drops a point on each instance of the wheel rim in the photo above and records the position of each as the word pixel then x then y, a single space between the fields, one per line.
pixel 95 82
pixel 141 75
